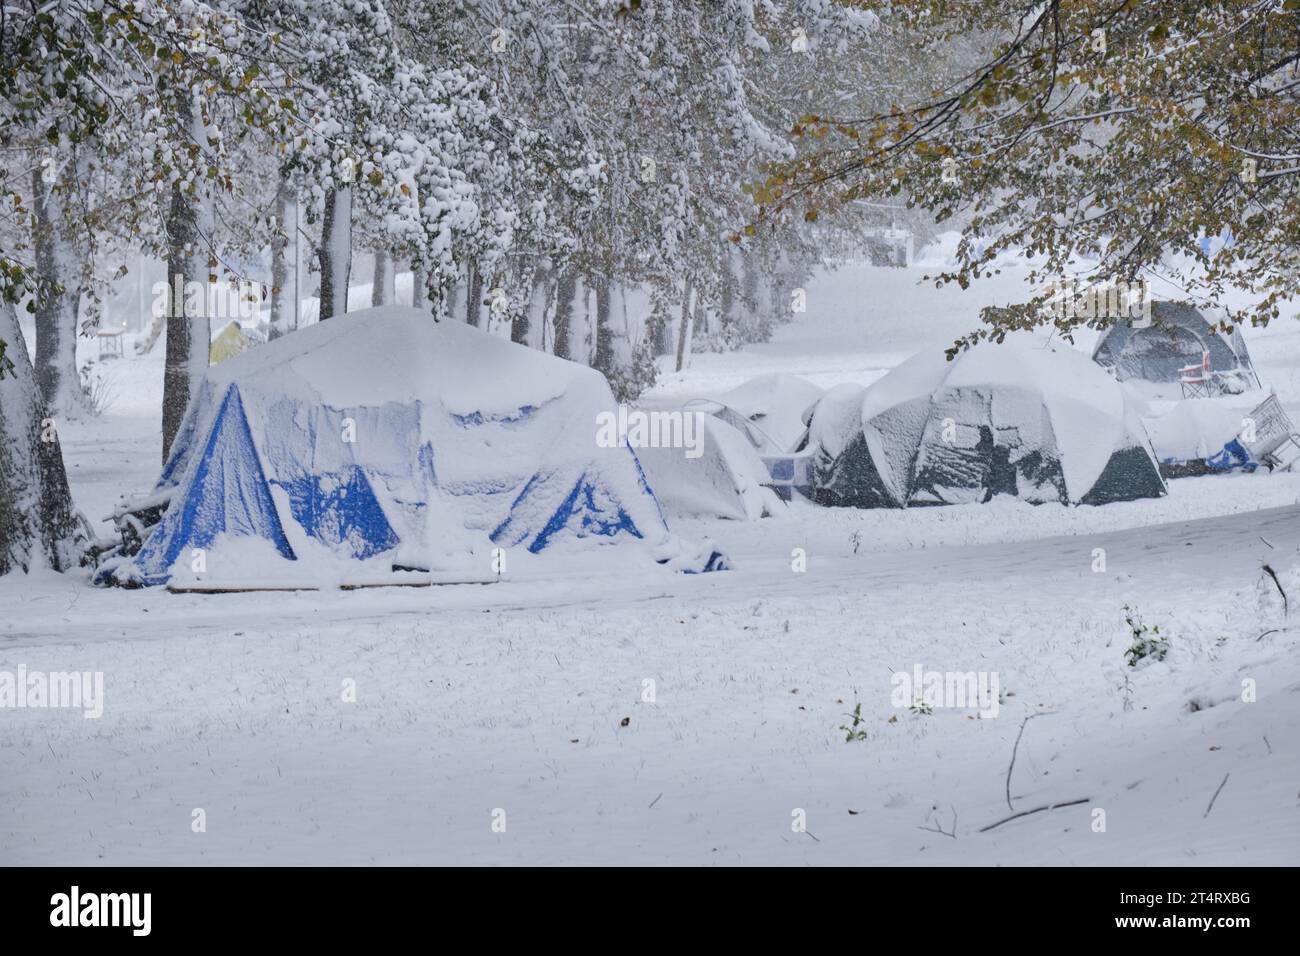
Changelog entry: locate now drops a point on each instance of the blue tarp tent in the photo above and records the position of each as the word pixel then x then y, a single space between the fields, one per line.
pixel 385 440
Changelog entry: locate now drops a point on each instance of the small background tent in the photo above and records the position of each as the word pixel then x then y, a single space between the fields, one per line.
pixel 772 412
pixel 725 481
pixel 382 440
pixel 1177 336
pixel 1022 418
pixel 768 409
pixel 229 342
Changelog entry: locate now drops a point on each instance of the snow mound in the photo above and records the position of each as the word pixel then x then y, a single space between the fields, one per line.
pixel 1193 429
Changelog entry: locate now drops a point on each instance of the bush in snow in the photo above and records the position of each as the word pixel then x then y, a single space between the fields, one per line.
pixel 1148 642
pixel 853 731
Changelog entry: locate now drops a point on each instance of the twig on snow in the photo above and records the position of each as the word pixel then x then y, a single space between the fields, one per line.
pixel 938 827
pixel 1025 813
pixel 1216 795
pixel 1273 574
pixel 1012 766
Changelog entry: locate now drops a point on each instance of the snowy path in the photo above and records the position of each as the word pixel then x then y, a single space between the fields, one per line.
pixel 232 704
pixel 1222 551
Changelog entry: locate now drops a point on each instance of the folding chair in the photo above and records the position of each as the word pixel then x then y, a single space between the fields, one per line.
pixel 1197 381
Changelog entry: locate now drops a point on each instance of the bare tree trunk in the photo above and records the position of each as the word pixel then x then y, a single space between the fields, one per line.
pixel 474 297
pixel 684 332
pixel 539 294
pixel 383 289
pixel 419 287
pixel 279 263
pixel 58 263
pixel 189 220
pixel 731 305
pixel 335 253
pixel 180 225
pixel 604 360
pixel 754 305
pixel 38 522
pixel 454 303
pixel 564 306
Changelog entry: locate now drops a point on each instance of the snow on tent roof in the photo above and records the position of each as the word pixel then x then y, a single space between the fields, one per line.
pixel 775 402
pixel 1177 337
pixel 837 419
pixel 384 434
pixel 1192 429
pixel 930 430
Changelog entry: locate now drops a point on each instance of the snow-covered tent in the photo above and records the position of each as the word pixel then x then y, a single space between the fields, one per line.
pixel 1176 337
pixel 382 440
pixel 769 409
pixel 1022 418
pixel 726 480
pixel 1191 434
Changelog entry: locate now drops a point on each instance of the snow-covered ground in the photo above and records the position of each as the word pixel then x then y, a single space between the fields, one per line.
pixel 651 717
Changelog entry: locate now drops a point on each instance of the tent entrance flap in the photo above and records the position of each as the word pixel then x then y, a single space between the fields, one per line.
pixel 228 495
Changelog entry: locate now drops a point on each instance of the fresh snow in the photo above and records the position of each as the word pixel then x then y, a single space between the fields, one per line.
pixel 513 696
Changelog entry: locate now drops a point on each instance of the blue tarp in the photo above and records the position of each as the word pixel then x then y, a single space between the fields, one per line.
pixel 228 493
pixel 1233 455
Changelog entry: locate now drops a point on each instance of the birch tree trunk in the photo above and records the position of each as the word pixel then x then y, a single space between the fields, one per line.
pixel 38 523
pixel 58 262
pixel 335 253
